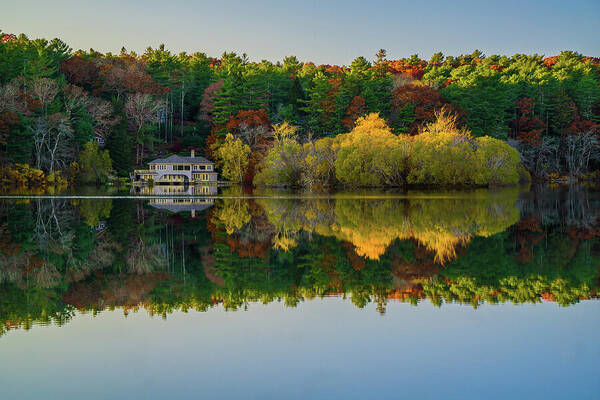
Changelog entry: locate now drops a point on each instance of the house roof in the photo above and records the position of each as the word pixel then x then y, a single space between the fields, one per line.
pixel 175 159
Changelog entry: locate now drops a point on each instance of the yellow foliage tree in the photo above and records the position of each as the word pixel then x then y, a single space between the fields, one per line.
pixel 233 214
pixel 318 165
pixel 284 131
pixel 233 157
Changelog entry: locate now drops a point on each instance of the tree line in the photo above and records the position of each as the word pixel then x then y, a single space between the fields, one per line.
pixel 54 100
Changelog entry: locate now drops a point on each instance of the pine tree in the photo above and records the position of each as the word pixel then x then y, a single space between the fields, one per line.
pixel 296 95
pixel 119 143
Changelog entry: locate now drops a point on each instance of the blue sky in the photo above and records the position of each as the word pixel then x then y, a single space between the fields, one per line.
pixel 333 32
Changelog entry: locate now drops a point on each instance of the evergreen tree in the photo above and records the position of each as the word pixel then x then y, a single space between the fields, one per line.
pixel 119 143
pixel 83 128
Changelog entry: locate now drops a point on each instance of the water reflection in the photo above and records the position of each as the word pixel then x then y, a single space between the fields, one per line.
pixel 166 190
pixel 177 253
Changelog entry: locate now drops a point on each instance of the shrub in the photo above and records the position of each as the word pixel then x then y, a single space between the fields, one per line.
pixel 94 165
pixel 282 165
pixel 443 154
pixel 22 175
pixel 371 155
pixel 444 158
pixel 498 161
pixel 318 164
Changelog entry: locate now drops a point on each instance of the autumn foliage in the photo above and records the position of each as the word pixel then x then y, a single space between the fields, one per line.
pixel 249 118
pixel 356 109
pixel 81 72
pixel 528 127
pixel 415 104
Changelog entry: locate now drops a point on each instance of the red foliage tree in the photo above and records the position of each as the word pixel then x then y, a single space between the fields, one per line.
pixel 579 126
pixel 128 75
pixel 356 109
pixel 207 104
pixel 592 60
pixel 250 118
pixel 528 232
pixel 527 127
pixel 335 69
pixel 425 101
pixel 7 121
pixel 328 102
pixel 81 72
pixel 8 37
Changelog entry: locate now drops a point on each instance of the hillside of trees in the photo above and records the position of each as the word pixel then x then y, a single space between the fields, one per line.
pixel 284 123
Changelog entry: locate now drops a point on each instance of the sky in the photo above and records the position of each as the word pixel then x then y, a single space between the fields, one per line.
pixel 328 32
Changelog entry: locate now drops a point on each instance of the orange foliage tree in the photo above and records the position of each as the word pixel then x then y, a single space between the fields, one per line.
pixel 250 118
pixel 408 70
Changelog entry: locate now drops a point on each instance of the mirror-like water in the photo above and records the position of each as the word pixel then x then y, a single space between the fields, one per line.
pixel 478 294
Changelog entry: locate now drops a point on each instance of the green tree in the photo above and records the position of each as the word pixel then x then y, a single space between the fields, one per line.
pixel 119 143
pixel 94 166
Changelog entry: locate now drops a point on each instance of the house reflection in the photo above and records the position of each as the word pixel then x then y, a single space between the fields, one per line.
pixel 186 200
pixel 176 190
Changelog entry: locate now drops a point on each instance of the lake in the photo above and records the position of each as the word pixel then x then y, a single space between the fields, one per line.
pixel 179 292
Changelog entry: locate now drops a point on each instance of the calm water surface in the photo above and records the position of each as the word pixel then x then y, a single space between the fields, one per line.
pixel 455 295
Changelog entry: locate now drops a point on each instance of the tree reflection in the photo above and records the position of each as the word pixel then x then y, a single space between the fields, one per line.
pixel 441 223
pixel 58 256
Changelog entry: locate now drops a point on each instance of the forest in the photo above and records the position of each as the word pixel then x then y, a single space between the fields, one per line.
pixel 61 256
pixel 86 117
